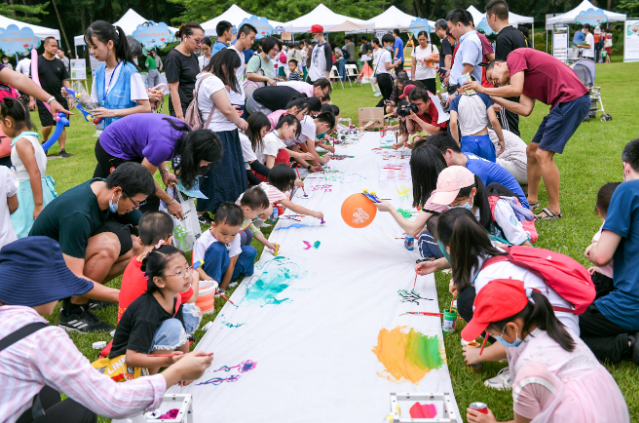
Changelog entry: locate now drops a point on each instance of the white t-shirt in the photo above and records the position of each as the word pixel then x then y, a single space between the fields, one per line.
pixel 237 98
pixel 138 91
pixel 203 61
pixel 383 57
pixel 272 145
pixel 247 149
pixel 8 188
pixel 208 87
pixel 24 66
pixel 422 70
pixel 207 239
pixel 318 62
pixel 309 130
pixel 589 52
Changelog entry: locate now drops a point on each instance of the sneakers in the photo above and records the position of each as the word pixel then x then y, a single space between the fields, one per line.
pixel 99 305
pixel 205 219
pixel 220 291
pixel 634 347
pixel 82 320
pixel 377 94
pixel 64 154
pixel 502 381
pixel 233 284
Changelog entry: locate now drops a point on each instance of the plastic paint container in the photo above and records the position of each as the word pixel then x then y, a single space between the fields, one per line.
pixel 480 407
pixel 206 299
pixel 409 243
pixel 475 367
pixel 450 319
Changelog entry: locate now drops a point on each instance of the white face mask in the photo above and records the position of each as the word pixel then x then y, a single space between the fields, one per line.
pixel 5 60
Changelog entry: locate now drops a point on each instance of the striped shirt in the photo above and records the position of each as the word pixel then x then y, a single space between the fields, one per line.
pixel 49 357
pixel 294 76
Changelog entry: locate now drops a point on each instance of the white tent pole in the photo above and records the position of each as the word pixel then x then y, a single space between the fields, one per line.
pixel 533 26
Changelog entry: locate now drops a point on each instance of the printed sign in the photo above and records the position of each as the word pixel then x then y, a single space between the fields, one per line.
pixel 631 41
pixel 264 29
pixel 594 17
pixel 151 34
pixel 560 43
pixel 78 69
pixel 15 40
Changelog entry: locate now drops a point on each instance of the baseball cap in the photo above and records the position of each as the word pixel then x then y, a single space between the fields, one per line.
pixel 407 90
pixel 500 299
pixel 317 29
pixel 449 182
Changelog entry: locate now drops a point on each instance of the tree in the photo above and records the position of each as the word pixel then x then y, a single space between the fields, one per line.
pixel 11 9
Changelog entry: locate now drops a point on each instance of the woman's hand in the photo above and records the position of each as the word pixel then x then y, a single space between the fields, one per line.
pixel 175 209
pixel 102 113
pixel 242 125
pixel 299 183
pixel 184 383
pixel 426 267
pixel 306 156
pixel 270 81
pixel 57 108
pixel 169 179
pixel 37 210
pixel 191 366
pixel 384 206
pixel 64 92
pixel 319 215
pixel 474 416
pixel 330 148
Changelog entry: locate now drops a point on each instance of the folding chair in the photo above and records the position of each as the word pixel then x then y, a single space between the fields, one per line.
pixel 335 75
pixel 352 72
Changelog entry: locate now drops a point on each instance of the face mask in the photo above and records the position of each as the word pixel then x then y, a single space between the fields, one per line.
pixel 443 250
pixel 153 54
pixel 321 136
pixel 467 206
pixel 5 61
pixel 135 60
pixel 389 48
pixel 502 341
pixel 113 208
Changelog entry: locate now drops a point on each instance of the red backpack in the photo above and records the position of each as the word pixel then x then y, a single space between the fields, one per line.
pixel 563 274
pixel 529 225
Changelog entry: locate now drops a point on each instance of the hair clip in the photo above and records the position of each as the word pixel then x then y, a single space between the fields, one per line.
pixel 159 244
pixel 145 276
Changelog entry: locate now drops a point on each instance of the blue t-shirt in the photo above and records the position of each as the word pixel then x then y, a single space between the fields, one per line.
pixel 490 172
pixel 248 53
pixel 621 306
pixel 218 46
pixel 399 43
pixel 579 37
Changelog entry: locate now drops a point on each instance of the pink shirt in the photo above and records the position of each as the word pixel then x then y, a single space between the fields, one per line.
pixel 275 117
pixel 49 357
pixel 607 269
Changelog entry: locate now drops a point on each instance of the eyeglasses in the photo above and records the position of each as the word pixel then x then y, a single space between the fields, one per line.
pixel 135 205
pixel 181 273
pixel 198 42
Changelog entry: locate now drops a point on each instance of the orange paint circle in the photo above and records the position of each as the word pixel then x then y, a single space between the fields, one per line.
pixel 358 211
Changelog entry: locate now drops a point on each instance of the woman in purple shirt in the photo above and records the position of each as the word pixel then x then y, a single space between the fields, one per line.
pixel 152 139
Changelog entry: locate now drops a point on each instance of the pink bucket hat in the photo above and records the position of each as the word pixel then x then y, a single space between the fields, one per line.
pixel 449 182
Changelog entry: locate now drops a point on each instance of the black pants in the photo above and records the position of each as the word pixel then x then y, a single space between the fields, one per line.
pixel 107 163
pixel 67 411
pixel 385 82
pixel 509 120
pixel 430 84
pixel 607 340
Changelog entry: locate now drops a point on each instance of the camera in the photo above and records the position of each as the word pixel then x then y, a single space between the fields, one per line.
pixel 404 110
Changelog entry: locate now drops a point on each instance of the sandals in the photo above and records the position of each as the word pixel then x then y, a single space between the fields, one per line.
pixel 549 215
pixel 534 207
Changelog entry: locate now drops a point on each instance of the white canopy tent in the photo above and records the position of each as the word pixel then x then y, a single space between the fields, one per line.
pixel 39 31
pixel 513 18
pixel 394 18
pixel 235 15
pixel 128 22
pixel 571 16
pixel 321 15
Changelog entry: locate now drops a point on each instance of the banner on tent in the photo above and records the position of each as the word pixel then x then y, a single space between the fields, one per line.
pixel 417 25
pixel 594 17
pixel 18 40
pixel 560 43
pixel 264 28
pixel 631 41
pixel 151 34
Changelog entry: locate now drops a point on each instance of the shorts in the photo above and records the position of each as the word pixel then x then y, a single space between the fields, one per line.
pixel 479 145
pixel 122 231
pixel 561 123
pixel 173 334
pixel 46 118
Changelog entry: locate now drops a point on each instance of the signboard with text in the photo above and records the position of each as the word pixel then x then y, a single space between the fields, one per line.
pixel 18 40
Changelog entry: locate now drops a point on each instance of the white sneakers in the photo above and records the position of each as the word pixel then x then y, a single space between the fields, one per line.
pixel 502 381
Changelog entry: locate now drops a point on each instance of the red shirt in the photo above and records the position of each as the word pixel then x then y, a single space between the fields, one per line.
pixel 432 116
pixel 134 284
pixel 546 78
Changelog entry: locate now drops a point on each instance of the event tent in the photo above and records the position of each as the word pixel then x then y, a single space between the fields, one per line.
pixel 394 18
pixel 513 18
pixel 321 15
pixel 235 15
pixel 351 27
pixel 39 31
pixel 571 16
pixel 128 22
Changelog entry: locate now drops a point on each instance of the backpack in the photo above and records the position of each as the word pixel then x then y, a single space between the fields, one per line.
pixel 566 276
pixel 345 54
pixel 529 225
pixel 193 117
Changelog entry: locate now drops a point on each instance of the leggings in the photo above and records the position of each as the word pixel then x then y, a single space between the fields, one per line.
pixel 67 411
pixel 385 82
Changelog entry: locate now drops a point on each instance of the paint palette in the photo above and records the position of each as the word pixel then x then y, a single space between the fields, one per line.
pixel 423 408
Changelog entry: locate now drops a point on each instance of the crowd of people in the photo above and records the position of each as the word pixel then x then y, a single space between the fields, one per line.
pixel 241 120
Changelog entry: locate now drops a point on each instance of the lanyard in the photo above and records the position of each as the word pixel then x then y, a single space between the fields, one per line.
pixel 104 88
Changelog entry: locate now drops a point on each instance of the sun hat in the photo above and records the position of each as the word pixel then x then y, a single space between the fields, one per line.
pixel 449 182
pixel 317 29
pixel 500 299
pixel 407 90
pixel 33 272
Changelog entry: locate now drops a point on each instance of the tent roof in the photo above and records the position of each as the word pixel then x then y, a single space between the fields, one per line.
pixel 349 26
pixel 40 31
pixel 394 18
pixel 569 17
pixel 235 15
pixel 128 22
pixel 513 18
pixel 321 15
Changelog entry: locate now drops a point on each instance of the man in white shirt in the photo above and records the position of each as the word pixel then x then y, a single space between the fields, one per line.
pixel 24 66
pixel 245 39
pixel 589 43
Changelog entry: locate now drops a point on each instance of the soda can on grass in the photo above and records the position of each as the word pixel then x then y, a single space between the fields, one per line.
pixel 480 407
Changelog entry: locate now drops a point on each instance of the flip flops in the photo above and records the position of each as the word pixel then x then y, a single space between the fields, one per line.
pixel 549 215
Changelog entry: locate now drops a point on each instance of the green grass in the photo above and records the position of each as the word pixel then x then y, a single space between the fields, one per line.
pixel 591 158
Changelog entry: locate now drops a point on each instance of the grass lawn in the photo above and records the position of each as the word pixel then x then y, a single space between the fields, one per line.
pixel 591 158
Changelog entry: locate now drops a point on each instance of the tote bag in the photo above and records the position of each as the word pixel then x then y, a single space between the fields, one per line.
pixel 187 230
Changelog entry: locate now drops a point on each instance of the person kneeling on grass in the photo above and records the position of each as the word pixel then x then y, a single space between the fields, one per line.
pixel 44 361
pixel 557 379
pixel 255 205
pixel 220 248
pixel 281 180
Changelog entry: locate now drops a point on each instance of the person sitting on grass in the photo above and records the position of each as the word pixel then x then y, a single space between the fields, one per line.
pixel 609 326
pixel 281 179
pixel 221 250
pixel 46 362
pixel 157 322
pixel 293 75
pixel 255 205
pixel 556 377
pixel 473 113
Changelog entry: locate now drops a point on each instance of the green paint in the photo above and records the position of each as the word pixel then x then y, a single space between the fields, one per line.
pixel 423 350
pixel 405 213
pixel 276 277
pixel 317 244
pixel 230 325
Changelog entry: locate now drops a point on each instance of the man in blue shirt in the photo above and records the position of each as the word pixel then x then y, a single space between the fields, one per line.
pixel 224 31
pixel 488 172
pixel 398 49
pixel 610 325
pixel 469 53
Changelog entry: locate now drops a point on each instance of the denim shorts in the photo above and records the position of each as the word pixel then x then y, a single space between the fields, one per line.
pixel 561 123
pixel 172 334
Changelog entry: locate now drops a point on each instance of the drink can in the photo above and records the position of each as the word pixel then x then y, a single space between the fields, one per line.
pixel 466 78
pixel 274 215
pixel 480 407
pixel 474 367
pixel 280 209
pixel 409 243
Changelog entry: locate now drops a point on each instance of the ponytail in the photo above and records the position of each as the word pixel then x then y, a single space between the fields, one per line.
pixel 481 201
pixel 105 32
pixel 289 120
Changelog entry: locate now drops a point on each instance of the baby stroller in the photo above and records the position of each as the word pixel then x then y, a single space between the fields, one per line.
pixel 586 70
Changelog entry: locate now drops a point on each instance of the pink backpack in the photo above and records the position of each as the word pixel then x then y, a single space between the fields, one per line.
pixel 563 274
pixel 529 225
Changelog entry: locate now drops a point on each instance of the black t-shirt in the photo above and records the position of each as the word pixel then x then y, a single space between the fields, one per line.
pixel 509 39
pixel 73 217
pixel 182 69
pixel 138 325
pixel 275 97
pixel 445 50
pixel 51 74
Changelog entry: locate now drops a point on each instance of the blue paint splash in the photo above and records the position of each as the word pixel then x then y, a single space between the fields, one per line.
pixel 297 225
pixel 276 276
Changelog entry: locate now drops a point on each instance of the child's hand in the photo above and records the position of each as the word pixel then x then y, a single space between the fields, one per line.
pixel 299 183
pixel 397 145
pixel 426 267
pixel 502 146
pixel 306 156
pixel 384 206
pixel 452 288
pixel 474 416
pixel 330 148
pixel 319 215
pixel 471 356
pixel 271 246
pixel 317 168
pixel 37 210
pixel 591 270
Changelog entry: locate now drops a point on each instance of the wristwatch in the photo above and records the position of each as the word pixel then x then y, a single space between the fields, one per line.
pixel 162 172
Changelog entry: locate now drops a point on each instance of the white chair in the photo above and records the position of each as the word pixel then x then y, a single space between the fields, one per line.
pixel 352 72
pixel 335 75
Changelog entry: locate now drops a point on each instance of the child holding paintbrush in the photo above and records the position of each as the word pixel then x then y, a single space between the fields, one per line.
pixel 282 179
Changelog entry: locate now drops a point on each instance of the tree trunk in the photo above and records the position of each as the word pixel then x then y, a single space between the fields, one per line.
pixel 531 8
pixel 64 34
pixel 609 5
pixel 433 8
pixel 417 7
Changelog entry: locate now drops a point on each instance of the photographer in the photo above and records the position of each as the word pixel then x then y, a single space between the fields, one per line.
pixel 424 115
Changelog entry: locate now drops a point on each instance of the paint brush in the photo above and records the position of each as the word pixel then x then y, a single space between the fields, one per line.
pixel 222 295
pixel 298 175
pixel 451 304
pixel 483 343
pixel 424 313
pixel 171 355
pixel 415 283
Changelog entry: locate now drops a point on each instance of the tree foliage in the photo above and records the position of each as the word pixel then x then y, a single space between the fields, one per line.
pixel 23 12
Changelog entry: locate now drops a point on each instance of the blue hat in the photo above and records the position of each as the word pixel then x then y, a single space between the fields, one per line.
pixel 33 272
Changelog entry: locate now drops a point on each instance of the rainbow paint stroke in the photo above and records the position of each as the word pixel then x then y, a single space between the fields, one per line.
pixel 276 276
pixel 407 356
